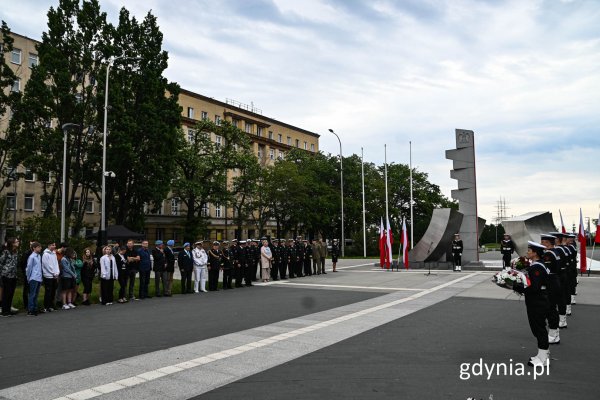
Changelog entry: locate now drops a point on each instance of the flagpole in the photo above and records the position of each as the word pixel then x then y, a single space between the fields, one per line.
pixel 412 239
pixel 362 170
pixel 386 187
pixel 592 259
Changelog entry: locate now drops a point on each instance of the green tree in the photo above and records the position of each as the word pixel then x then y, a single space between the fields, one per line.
pixel 8 100
pixel 201 169
pixel 144 120
pixel 61 91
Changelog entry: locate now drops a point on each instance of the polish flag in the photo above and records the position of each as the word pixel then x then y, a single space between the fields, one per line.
pixel 582 243
pixel 404 244
pixel 562 224
pixel 597 238
pixel 381 244
pixel 389 239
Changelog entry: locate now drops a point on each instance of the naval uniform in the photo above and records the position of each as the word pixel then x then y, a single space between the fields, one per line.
pixel 536 301
pixel 227 268
pixel 507 248
pixel 551 260
pixel 457 249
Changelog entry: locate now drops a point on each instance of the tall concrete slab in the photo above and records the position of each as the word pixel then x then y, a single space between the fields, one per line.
pixel 528 227
pixel 463 171
pixel 435 243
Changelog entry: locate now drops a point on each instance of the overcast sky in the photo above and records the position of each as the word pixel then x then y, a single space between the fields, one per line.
pixel 524 75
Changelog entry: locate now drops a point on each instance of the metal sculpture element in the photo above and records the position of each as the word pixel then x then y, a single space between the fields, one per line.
pixel 435 243
pixel 528 227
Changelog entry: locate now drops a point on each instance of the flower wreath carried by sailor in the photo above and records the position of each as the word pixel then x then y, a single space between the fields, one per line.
pixel 515 278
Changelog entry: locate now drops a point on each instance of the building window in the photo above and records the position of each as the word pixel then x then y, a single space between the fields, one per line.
pixel 76 205
pixel 28 205
pixel 281 154
pixel 217 120
pixel 312 147
pixel 16 86
pixel 289 141
pixel 191 135
pixel 89 206
pixel 44 202
pixel 190 113
pixel 259 131
pixel 205 210
pixel 279 138
pixel 89 231
pixel 271 135
pixel 33 60
pixel 218 141
pixel 272 154
pixel 305 146
pixel 248 127
pixel 11 201
pixel 297 143
pixel 175 206
pixel 218 210
pixel 15 56
pixel 78 98
pixel 260 152
pixel 29 175
pixel 160 233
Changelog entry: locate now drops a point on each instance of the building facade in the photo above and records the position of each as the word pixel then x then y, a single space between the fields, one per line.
pixel 271 139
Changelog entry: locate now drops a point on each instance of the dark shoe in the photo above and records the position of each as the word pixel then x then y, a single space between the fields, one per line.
pixel 6 315
pixel 31 314
pixel 159 295
pixel 325 273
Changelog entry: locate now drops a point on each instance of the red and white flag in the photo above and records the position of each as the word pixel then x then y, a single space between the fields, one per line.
pixel 582 243
pixel 597 238
pixel 404 244
pixel 381 244
pixel 562 224
pixel 389 240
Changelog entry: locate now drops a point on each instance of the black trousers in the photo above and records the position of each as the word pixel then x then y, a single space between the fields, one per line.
pixel 8 291
pixel 49 292
pixel 291 265
pixel 457 259
pixel 248 277
pixel 106 289
pixel 537 309
pixel 186 281
pixel 572 274
pixel 123 278
pixel 144 283
pixel 227 278
pixel 565 290
pixel 556 301
pixel 282 268
pixel 307 264
pixel 299 266
pixel 506 260
pixel 275 270
pixel 239 276
pixel 213 279
pixel 254 267
pixel 132 273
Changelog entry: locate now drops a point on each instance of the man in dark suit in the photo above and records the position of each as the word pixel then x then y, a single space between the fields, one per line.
pixel 186 266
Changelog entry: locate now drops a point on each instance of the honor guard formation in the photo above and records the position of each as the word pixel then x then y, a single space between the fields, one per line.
pixel 552 289
pixel 61 273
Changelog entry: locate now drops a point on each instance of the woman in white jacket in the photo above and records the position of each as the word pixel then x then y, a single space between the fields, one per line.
pixel 200 271
pixel 108 275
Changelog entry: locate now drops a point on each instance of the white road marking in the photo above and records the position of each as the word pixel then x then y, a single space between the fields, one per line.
pixel 346 286
pixel 164 371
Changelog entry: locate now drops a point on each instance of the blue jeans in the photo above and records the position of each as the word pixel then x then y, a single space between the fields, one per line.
pixel 144 282
pixel 34 290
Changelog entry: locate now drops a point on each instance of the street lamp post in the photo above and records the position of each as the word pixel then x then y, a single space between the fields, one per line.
pixel 341 188
pixel 105 173
pixel 65 129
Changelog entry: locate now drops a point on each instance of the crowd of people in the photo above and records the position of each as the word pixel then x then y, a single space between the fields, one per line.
pixel 62 273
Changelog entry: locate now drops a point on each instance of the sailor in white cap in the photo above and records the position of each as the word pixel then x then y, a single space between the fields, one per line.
pixel 200 271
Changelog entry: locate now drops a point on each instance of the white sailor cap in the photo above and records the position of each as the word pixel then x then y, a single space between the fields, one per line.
pixel 535 245
pixel 545 236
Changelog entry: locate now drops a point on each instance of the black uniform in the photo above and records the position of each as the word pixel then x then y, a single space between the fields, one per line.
pixel 245 257
pixel 186 266
pixel 572 270
pixel 159 267
pixel 276 251
pixel 290 254
pixel 551 260
pixel 227 268
pixel 122 274
pixel 214 266
pixel 536 301
pixel 507 248
pixel 457 249
pixel 335 252
pixel 299 259
pixel 563 276
pixel 308 259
